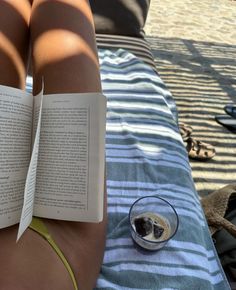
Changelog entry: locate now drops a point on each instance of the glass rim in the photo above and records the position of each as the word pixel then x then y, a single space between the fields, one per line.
pixel 165 201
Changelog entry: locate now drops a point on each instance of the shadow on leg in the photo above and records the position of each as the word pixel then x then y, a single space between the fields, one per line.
pixel 14 42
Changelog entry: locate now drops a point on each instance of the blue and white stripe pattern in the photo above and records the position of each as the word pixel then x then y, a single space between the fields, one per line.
pixel 145 155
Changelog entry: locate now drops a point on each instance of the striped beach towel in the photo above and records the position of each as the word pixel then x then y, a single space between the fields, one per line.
pixel 145 155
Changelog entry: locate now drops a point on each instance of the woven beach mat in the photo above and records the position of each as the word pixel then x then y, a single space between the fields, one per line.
pixel 215 206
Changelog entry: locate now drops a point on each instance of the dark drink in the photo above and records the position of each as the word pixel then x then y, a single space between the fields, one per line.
pixel 151 227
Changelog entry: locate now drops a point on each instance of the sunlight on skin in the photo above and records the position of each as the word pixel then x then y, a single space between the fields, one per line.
pixel 73 43
pixel 48 47
pixel 64 49
pixel 8 48
pixel 22 7
pixel 69 62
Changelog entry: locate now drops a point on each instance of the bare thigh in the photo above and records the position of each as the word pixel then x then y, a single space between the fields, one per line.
pixel 14 41
pixel 30 264
pixel 65 56
pixel 64 48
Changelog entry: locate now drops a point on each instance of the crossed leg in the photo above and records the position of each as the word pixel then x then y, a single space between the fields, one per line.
pixel 64 54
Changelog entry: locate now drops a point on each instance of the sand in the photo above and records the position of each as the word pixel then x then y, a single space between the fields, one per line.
pixel 194 45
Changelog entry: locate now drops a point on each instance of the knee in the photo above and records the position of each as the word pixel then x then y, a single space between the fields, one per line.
pixel 69 15
pixel 58 45
pixel 55 38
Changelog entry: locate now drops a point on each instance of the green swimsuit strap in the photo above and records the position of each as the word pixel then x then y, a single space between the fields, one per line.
pixel 38 226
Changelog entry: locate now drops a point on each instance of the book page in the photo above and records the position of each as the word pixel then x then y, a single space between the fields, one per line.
pixel 29 192
pixel 70 174
pixel 15 150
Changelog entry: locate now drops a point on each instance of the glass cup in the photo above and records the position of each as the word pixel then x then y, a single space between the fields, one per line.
pixel 153 222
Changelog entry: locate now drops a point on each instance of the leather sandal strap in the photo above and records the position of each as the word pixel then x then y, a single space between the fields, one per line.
pixel 200 149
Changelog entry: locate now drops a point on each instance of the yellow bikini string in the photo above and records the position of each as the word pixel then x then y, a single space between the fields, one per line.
pixel 38 226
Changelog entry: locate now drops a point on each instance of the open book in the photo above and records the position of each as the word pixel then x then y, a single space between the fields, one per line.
pixel 52 156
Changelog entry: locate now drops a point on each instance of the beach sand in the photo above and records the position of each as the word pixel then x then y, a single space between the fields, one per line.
pixel 205 20
pixel 194 45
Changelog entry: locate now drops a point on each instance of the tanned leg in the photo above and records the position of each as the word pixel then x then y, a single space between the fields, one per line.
pixel 30 263
pixel 64 47
pixel 64 54
pixel 14 41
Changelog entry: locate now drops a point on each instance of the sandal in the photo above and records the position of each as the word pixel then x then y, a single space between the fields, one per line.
pixel 230 109
pixel 227 121
pixel 185 131
pixel 199 150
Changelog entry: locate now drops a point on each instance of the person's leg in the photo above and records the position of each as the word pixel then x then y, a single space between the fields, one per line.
pixel 64 47
pixel 65 56
pixel 22 264
pixel 14 41
pixel 30 264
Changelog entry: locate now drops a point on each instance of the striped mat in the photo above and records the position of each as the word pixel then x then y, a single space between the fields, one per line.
pixel 145 155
